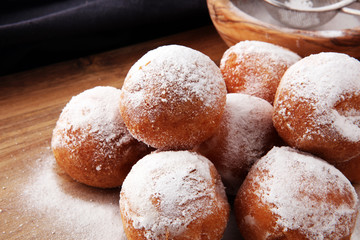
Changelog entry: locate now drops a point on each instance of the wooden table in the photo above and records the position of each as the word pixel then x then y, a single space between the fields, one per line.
pixel 37 199
pixel 30 103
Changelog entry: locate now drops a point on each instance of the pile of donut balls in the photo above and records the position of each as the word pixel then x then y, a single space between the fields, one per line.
pixel 269 134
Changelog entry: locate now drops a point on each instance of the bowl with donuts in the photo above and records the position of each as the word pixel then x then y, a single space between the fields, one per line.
pixel 264 146
pixel 238 20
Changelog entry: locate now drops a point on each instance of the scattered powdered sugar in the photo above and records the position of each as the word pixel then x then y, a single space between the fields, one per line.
pixel 299 4
pixel 330 33
pixel 324 81
pixel 171 74
pixel 166 191
pixel 340 21
pixel 73 210
pixel 300 186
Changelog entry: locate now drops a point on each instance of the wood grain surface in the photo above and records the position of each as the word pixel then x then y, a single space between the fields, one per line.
pixel 37 199
pixel 30 104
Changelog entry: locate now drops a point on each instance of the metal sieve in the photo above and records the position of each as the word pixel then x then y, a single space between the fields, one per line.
pixel 307 14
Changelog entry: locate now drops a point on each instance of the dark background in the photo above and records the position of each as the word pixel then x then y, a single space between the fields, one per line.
pixel 34 33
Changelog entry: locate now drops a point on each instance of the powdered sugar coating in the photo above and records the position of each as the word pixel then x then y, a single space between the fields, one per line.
pixel 187 72
pixel 255 67
pixel 274 52
pixel 167 95
pixel 165 192
pixel 94 112
pixel 91 142
pixel 323 90
pixel 246 133
pixel 305 194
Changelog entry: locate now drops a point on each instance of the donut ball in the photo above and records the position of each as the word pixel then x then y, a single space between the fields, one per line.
pixel 351 169
pixel 173 98
pixel 317 106
pixel 245 134
pixel 91 142
pixel 255 68
pixel 289 194
pixel 174 195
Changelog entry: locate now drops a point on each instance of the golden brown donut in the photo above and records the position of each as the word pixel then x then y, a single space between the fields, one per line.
pixel 173 98
pixel 255 68
pixel 245 134
pixel 317 106
pixel 290 194
pixel 174 195
pixel 90 140
pixel 351 169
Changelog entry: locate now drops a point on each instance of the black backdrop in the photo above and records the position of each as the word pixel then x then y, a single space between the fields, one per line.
pixel 38 32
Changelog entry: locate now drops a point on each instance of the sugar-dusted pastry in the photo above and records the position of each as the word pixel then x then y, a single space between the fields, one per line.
pixel 255 68
pixel 317 106
pixel 91 142
pixel 289 194
pixel 174 195
pixel 173 97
